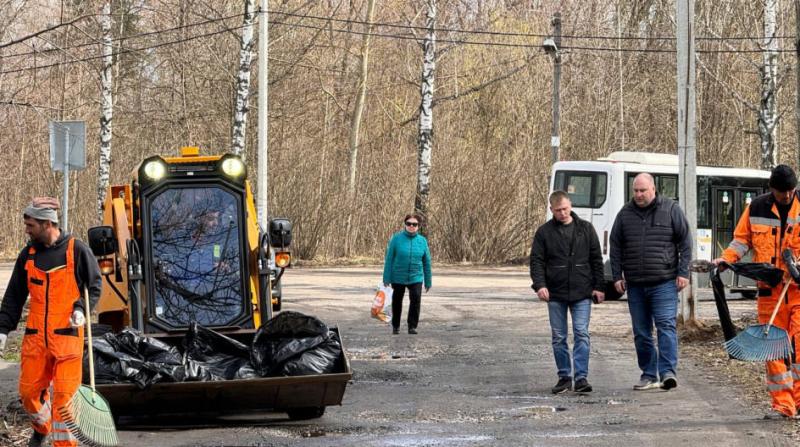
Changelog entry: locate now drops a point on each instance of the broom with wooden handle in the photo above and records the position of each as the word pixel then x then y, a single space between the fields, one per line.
pixel 87 414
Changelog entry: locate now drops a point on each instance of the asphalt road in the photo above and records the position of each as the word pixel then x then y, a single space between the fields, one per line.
pixel 478 374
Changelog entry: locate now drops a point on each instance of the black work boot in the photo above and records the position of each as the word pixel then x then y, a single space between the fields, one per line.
pixel 37 439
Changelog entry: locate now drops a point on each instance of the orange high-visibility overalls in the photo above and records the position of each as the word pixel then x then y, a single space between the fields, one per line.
pixel 759 228
pixel 52 350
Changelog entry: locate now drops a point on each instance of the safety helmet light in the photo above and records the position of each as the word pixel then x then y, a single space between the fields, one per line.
pixel 232 167
pixel 155 170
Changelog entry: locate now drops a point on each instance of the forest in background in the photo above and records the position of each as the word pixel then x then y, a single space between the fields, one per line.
pixel 175 69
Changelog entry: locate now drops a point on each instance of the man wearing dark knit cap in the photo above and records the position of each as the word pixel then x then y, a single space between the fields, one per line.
pixel 54 269
pixel 767 227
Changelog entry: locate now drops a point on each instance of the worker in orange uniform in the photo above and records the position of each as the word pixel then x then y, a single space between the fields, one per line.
pixel 53 268
pixel 768 226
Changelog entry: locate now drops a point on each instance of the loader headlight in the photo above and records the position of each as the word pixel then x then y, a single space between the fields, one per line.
pixel 233 167
pixel 155 170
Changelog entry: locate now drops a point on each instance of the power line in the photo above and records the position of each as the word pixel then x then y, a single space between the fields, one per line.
pixel 123 38
pixel 512 34
pixel 384 35
pixel 124 51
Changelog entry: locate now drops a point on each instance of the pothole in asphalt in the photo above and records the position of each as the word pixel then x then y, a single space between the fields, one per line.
pixel 383 375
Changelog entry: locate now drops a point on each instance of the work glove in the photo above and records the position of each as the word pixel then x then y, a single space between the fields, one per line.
pixel 77 319
pixel 3 338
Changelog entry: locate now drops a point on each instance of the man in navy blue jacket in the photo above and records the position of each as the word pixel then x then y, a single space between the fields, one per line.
pixel 650 252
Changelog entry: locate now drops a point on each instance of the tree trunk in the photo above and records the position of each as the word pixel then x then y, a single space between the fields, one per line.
pixel 355 125
pixel 106 109
pixel 426 118
pixel 243 81
pixel 768 115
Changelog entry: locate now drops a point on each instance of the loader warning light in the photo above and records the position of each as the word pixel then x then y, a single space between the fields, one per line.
pixel 106 266
pixel 283 259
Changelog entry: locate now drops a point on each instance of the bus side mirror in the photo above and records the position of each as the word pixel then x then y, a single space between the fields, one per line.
pixel 280 232
pixel 102 241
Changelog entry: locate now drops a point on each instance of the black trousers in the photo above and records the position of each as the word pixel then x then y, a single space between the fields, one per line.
pixel 415 297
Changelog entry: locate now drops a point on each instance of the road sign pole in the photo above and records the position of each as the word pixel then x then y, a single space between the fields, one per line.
pixel 65 205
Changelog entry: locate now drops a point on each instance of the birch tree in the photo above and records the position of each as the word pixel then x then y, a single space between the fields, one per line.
pixel 106 109
pixel 768 113
pixel 425 139
pixel 243 80
pixel 355 125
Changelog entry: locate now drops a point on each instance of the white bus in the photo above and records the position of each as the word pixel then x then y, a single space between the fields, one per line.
pixel 598 190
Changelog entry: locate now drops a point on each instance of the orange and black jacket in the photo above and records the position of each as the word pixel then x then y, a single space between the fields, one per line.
pixel 87 274
pixel 759 229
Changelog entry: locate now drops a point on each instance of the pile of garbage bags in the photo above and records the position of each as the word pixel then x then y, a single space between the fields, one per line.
pixel 290 344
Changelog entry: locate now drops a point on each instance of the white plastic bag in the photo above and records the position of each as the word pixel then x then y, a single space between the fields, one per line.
pixel 382 304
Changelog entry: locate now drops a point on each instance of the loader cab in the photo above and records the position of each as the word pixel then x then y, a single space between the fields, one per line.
pixel 188 249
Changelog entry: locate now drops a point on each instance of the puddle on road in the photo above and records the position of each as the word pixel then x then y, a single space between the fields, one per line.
pixel 428 440
pixel 538 409
pixel 569 435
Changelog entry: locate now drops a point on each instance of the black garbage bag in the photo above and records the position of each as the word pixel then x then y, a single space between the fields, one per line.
pixel 293 324
pixel 209 355
pixel 114 366
pixel 728 329
pixel 759 271
pixel 288 344
pixel 322 359
pixel 158 356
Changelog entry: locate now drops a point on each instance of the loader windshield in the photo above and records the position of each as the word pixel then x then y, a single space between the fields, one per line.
pixel 196 256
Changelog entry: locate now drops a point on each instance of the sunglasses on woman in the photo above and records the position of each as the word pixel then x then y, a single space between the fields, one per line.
pixel 412 224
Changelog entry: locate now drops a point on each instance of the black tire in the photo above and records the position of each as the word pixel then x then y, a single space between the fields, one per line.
pixel 611 292
pixel 305 413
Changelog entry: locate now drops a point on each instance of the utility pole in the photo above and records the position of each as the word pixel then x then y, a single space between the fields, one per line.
pixel 687 159
pixel 797 78
pixel 263 117
pixel 555 140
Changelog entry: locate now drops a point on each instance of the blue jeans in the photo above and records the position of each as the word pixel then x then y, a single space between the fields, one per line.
pixel 581 311
pixel 649 305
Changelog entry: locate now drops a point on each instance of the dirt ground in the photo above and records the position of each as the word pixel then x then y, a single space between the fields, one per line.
pixel 479 374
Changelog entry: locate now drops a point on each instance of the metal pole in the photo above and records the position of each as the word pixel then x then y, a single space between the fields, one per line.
pixel 65 205
pixel 263 117
pixel 797 78
pixel 687 159
pixel 555 140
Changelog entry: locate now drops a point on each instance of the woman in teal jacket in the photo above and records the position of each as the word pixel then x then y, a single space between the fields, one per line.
pixel 407 264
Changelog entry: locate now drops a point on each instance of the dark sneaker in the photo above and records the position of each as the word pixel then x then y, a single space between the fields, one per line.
pixel 582 386
pixel 36 440
pixel 646 383
pixel 669 382
pixel 564 384
pixel 395 331
pixel 412 331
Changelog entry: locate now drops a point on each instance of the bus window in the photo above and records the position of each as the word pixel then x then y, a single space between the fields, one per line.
pixel 585 189
pixel 666 185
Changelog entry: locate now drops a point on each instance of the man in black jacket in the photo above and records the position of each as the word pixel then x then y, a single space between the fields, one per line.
pixel 567 272
pixel 650 252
